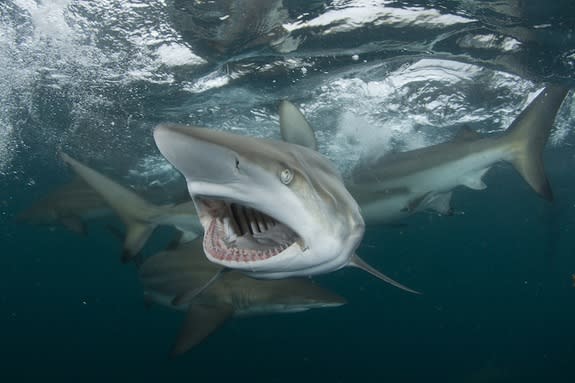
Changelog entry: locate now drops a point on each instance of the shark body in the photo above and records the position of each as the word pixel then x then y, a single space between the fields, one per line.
pixel 270 209
pixel 69 205
pixel 399 184
pixel 183 279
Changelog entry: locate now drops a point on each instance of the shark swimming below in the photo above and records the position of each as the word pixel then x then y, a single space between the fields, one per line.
pixel 399 184
pixel 270 209
pixel 183 279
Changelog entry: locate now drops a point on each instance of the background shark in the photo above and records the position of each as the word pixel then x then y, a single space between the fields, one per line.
pixel 172 278
pixel 69 205
pixel 140 217
pixel 397 185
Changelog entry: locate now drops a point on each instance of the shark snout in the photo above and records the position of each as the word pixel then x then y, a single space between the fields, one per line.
pixel 197 158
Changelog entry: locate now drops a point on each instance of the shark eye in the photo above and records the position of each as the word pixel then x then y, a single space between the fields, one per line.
pixel 286 176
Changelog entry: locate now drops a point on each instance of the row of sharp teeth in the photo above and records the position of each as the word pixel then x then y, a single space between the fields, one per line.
pixel 220 248
pixel 248 221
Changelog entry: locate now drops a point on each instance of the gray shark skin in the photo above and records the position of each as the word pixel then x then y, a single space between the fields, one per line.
pixel 172 279
pixel 70 205
pixel 294 127
pixel 140 217
pixel 400 184
pixel 269 208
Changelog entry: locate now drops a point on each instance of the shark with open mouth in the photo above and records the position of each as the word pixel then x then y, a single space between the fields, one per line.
pixel 270 209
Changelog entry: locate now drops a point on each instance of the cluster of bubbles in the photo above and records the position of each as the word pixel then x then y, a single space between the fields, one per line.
pixel 370 76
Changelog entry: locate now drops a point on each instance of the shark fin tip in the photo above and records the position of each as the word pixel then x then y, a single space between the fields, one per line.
pixel 126 256
pixel 356 261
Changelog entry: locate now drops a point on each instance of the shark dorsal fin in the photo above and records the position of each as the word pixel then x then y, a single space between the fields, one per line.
pixel 294 127
pixel 466 134
pixel 201 321
pixel 188 296
pixel 356 261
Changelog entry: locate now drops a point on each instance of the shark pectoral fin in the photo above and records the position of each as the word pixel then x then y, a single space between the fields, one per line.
pixel 189 236
pixel 528 136
pixel 127 256
pixel 137 233
pixel 416 203
pixel 441 203
pixel 474 180
pixel 356 261
pixel 74 223
pixel 188 296
pixel 201 321
pixel 294 127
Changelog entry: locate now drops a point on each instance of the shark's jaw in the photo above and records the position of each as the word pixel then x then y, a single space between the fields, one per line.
pixel 236 234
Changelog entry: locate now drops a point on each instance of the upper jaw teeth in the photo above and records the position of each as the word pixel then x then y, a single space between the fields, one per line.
pixel 232 236
pixel 277 236
pixel 242 234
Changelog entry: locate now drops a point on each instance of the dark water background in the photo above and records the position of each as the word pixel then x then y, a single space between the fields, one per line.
pixel 498 303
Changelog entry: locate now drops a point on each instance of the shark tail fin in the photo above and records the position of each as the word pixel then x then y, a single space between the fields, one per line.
pixel 356 261
pixel 135 212
pixel 528 135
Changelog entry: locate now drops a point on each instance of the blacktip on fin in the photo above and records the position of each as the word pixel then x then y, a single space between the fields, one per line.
pixel 356 261
pixel 200 322
pixel 294 127
pixel 528 134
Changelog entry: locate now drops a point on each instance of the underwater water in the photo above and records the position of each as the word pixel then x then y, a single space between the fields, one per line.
pixel 372 76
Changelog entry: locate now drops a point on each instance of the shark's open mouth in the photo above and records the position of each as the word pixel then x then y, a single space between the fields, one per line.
pixel 241 234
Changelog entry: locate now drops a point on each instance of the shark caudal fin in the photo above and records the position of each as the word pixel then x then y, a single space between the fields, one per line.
pixel 134 211
pixel 294 127
pixel 528 135
pixel 356 261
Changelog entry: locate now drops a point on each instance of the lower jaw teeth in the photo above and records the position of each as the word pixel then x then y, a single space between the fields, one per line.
pixel 247 247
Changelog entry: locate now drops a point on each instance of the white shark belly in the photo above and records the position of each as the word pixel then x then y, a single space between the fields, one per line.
pixel 466 171
pixel 417 190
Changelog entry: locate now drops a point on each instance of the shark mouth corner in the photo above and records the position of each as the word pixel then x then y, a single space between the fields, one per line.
pixel 239 234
